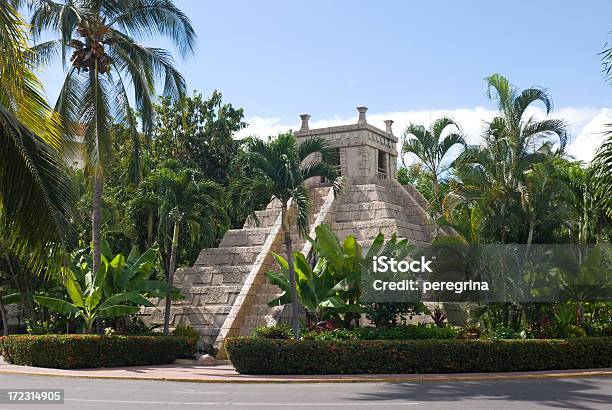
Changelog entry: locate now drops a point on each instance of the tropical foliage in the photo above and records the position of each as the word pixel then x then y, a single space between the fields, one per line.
pixel 36 197
pixel 277 169
pixel 101 39
pixel 119 288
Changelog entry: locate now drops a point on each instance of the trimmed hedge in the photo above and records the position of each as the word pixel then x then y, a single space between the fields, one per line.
pixel 404 332
pixel 89 351
pixel 268 356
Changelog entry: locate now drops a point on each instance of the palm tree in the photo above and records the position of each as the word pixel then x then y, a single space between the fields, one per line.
pixel 183 197
pixel 602 164
pixel 36 196
pixel 278 169
pixel 495 173
pixel 430 148
pixel 105 58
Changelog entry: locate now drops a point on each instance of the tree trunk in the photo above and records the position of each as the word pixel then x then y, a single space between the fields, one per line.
pixel 175 238
pixel 96 221
pixel 150 228
pixel 295 323
pixel 530 236
pixel 4 317
pixel 436 188
pixel 24 305
pixel 295 311
pixel 503 225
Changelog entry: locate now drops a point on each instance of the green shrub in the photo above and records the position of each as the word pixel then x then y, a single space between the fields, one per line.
pixel 89 351
pixel 267 356
pixel 600 330
pixel 186 331
pixel 504 332
pixel 273 332
pixel 406 332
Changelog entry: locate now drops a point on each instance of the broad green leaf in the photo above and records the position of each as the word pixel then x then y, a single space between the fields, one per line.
pixel 116 299
pixel 11 298
pixel 282 262
pixel 156 288
pixel 117 310
pixel 106 250
pixel 57 305
pixel 141 267
pixel 93 299
pixel 375 248
pixel 279 280
pixel 140 300
pixel 73 288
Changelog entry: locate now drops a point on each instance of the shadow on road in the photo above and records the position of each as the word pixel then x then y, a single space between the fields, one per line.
pixel 560 393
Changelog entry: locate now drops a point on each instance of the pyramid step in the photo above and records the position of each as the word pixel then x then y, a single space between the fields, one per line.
pixel 368 230
pixel 208 295
pixel 245 237
pixel 266 218
pixel 235 255
pixel 211 275
pixel 377 210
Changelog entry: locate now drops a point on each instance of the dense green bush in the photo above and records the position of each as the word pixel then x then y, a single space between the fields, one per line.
pixel 89 351
pixel 267 356
pixel 273 332
pixel 406 332
pixel 504 332
pixel 600 330
pixel 186 331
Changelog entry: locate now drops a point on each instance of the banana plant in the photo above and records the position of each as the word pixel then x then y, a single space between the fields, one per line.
pixel 133 274
pixel 89 301
pixel 332 289
pixel 317 289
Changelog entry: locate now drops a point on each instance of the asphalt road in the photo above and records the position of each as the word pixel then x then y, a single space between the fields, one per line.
pixel 594 393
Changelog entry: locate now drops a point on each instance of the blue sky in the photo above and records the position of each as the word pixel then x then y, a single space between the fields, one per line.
pixel 407 59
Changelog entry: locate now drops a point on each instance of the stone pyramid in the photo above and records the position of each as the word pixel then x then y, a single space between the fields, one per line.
pixel 227 290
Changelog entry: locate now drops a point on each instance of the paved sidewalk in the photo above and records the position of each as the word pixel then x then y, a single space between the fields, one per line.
pixel 227 374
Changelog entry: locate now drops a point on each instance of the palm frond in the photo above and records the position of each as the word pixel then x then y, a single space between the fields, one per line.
pixel 313 146
pixel 147 18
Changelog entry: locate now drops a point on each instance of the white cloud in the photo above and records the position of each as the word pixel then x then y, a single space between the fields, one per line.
pixel 585 124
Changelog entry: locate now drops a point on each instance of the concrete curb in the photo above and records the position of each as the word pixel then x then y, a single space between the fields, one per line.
pixel 421 378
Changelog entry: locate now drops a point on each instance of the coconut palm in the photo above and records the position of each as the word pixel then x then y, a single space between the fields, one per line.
pixel 36 197
pixel 278 169
pixel 602 166
pixel 100 38
pixel 495 173
pixel 183 198
pixel 430 147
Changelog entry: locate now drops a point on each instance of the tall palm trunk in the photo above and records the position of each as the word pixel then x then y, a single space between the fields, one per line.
pixel 96 215
pixel 295 323
pixel 96 220
pixel 171 268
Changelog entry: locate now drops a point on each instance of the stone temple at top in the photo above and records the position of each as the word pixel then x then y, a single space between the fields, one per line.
pixel 227 291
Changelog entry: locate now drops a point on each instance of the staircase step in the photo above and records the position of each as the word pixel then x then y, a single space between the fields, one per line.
pixel 234 255
pixel 211 275
pixel 245 237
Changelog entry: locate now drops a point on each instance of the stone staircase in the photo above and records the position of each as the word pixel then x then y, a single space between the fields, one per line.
pixel 227 291
pixel 368 209
pixel 218 276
